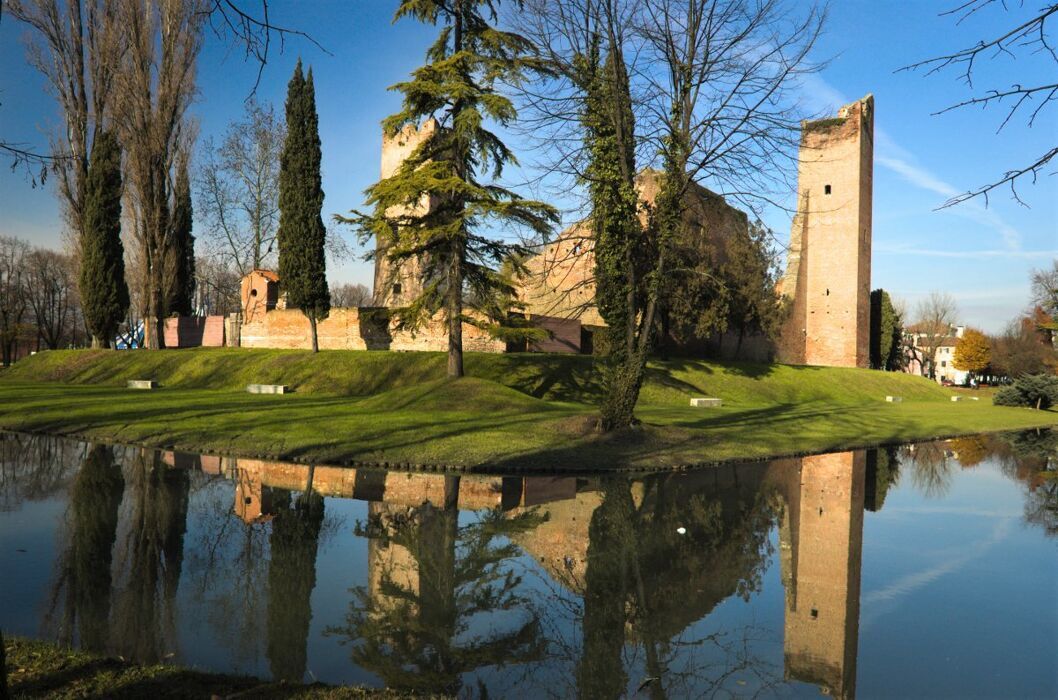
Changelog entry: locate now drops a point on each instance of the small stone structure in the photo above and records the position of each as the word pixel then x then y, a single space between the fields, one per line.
pixel 267 389
pixel 258 294
pixel 828 273
pixel 141 384
pixel 706 403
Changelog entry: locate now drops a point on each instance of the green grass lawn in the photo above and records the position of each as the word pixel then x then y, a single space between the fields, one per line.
pixel 511 412
pixel 42 670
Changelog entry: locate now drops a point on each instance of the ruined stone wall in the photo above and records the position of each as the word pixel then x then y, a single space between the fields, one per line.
pixel 829 262
pixel 561 278
pixel 399 284
pixel 357 329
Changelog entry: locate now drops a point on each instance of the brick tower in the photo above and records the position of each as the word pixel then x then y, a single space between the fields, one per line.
pixel 828 274
pixel 399 284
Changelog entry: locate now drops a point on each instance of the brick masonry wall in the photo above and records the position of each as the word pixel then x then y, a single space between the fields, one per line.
pixel 194 332
pixel 357 329
pixel 829 264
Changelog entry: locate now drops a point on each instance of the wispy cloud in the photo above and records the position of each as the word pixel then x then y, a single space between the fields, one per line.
pixel 876 602
pixel 969 254
pixel 821 96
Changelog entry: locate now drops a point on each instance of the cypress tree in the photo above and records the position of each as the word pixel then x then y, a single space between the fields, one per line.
pixel 301 238
pixel 457 89
pixel 182 271
pixel 104 293
pixel 885 332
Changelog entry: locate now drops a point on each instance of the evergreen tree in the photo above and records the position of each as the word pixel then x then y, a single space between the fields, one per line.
pixel 885 347
pixel 457 88
pixel 104 293
pixel 182 253
pixel 302 260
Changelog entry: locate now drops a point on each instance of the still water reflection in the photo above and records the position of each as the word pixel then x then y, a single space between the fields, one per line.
pixel 926 570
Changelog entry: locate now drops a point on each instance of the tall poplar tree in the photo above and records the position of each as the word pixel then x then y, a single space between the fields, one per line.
pixel 457 88
pixel 104 292
pixel 182 260
pixel 301 238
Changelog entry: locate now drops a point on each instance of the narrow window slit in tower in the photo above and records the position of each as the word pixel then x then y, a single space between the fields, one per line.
pixel 826 189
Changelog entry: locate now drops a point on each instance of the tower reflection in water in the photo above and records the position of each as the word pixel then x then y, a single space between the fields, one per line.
pixel 594 587
pixel 613 543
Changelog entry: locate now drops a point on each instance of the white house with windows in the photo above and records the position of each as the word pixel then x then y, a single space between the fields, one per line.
pixel 943 359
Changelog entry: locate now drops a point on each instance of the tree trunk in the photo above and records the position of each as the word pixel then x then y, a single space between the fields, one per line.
pixel 315 336
pixel 618 406
pixel 455 317
pixel 97 343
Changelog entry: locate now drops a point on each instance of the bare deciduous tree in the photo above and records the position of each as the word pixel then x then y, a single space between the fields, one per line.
pixel 935 316
pixel 349 296
pixel 1024 38
pixel 238 190
pixel 1045 290
pixel 216 287
pixel 709 84
pixel 76 45
pixel 13 297
pixel 51 291
pixel 155 86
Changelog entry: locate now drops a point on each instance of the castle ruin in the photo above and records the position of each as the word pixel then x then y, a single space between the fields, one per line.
pixel 399 283
pixel 828 273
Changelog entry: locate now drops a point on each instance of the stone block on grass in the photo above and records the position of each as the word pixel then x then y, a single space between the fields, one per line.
pixel 894 399
pixel 706 403
pixel 267 389
pixel 141 384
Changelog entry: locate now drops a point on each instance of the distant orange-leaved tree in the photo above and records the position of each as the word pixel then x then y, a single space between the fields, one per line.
pixel 972 352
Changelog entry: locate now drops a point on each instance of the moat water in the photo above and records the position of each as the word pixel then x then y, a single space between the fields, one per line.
pixel 929 570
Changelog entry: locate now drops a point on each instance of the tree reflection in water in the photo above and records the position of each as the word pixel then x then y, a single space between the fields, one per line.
pixel 95 498
pixel 291 577
pixel 428 577
pixel 655 568
pixel 621 577
pixel 152 558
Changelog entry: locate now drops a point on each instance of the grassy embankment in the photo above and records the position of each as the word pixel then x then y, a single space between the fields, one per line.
pixel 42 670
pixel 512 411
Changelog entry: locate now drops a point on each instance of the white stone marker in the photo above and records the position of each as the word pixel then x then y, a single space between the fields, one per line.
pixel 706 403
pixel 267 388
pixel 894 399
pixel 142 384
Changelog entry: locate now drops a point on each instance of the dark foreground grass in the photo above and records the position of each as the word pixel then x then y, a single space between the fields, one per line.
pixel 512 412
pixel 42 670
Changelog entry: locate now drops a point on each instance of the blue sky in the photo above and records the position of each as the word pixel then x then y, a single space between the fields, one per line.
pixel 982 256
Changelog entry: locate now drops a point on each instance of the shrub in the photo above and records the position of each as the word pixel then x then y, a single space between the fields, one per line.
pixel 1032 390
